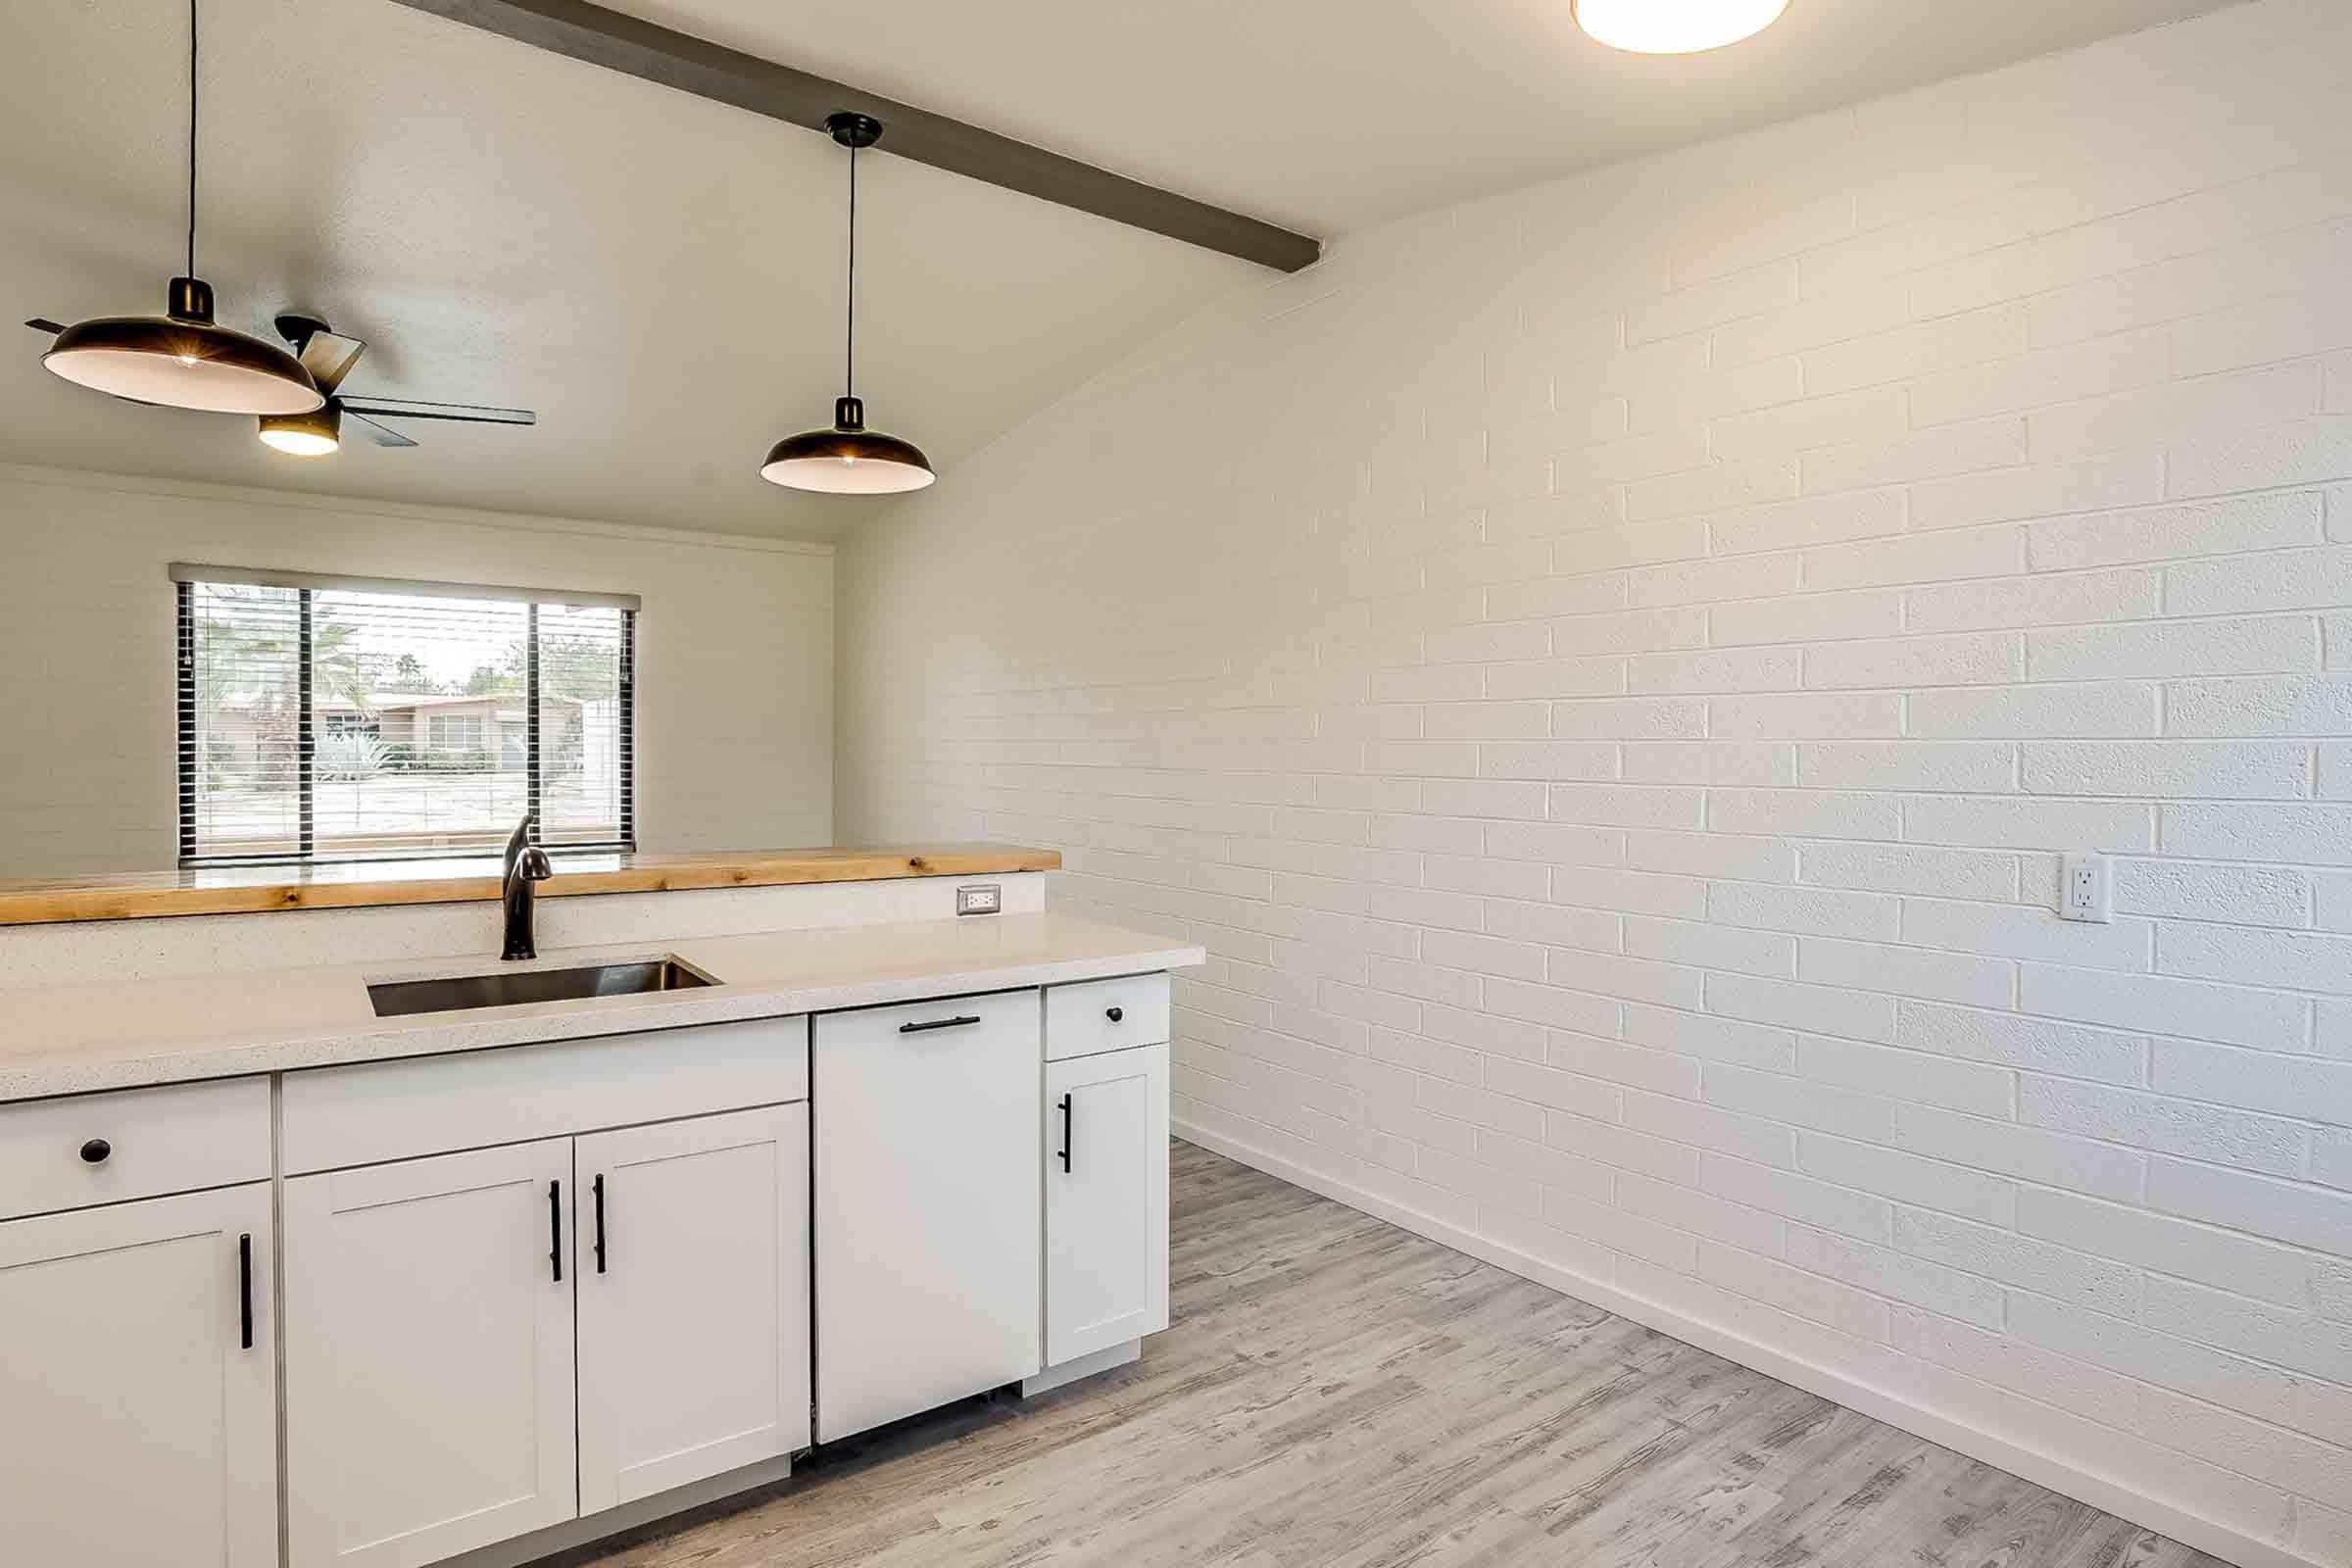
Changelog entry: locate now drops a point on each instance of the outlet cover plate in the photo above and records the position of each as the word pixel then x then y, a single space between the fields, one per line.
pixel 980 897
pixel 2085 890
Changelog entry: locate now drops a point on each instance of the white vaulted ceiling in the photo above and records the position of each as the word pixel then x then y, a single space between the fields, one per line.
pixel 660 276
pixel 1330 115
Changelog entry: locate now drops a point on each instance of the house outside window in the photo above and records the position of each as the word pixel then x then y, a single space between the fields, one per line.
pixel 329 718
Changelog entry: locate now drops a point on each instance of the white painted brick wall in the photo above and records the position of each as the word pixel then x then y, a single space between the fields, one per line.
pixel 1607 672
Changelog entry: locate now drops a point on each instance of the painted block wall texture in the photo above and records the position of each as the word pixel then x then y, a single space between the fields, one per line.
pixel 734 653
pixel 1608 671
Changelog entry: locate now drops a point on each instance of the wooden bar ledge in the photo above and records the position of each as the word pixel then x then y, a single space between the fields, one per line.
pixel 259 889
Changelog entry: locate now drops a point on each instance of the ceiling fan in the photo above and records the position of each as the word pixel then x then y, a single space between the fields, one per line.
pixel 328 355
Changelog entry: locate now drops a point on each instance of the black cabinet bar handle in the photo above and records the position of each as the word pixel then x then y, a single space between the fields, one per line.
pixel 937 1024
pixel 1067 1120
pixel 245 1290
pixel 555 1228
pixel 94 1151
pixel 598 1188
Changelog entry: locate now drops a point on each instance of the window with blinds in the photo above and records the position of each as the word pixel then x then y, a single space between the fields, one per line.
pixel 338 719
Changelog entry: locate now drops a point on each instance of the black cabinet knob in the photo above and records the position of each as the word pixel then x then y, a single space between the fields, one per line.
pixel 94 1151
pixel 1114 1014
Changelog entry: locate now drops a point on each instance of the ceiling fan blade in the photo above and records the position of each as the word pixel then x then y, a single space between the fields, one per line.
pixel 329 357
pixel 379 434
pixel 465 413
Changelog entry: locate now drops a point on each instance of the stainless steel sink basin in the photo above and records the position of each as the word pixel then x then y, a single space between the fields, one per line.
pixel 393 998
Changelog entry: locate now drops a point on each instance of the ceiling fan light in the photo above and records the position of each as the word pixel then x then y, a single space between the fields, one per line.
pixel 315 434
pixel 183 360
pixel 1674 27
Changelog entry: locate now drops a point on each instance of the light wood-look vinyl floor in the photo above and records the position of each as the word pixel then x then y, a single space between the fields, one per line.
pixel 1338 1392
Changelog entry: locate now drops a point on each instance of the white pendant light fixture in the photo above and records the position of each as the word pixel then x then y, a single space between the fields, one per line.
pixel 849 459
pixel 1674 27
pixel 181 358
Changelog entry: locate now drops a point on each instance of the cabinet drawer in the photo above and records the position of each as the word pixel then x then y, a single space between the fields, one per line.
pixel 374 1112
pixel 175 1139
pixel 1106 1015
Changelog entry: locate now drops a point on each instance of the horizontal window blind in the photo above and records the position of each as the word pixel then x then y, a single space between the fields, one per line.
pixel 351 719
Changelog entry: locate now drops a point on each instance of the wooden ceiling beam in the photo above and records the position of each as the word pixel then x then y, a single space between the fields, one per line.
pixel 645 50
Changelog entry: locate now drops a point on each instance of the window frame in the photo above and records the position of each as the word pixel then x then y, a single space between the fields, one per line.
pixel 308 726
pixel 439 725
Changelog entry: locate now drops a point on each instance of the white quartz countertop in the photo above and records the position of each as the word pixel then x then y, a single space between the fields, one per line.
pixel 64 1040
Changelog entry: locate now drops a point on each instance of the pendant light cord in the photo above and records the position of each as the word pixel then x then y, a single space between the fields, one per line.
pixel 848 370
pixel 191 138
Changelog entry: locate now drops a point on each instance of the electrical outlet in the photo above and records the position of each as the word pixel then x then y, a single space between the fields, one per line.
pixel 2084 890
pixel 982 897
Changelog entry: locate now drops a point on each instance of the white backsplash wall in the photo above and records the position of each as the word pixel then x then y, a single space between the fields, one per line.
pixel 1608 672
pixel 397 936
pixel 734 652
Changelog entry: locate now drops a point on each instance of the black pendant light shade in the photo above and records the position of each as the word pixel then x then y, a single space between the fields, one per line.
pixel 182 359
pixel 849 459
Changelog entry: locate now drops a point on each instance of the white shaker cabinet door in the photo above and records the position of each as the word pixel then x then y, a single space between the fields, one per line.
pixel 927 1214
pixel 428 1356
pixel 138 1406
pixel 694 1300
pixel 1107 1200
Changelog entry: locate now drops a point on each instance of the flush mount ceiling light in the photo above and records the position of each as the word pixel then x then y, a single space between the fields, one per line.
pixel 849 459
pixel 181 358
pixel 1676 26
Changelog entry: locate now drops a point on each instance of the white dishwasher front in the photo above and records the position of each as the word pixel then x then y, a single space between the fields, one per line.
pixel 926 1121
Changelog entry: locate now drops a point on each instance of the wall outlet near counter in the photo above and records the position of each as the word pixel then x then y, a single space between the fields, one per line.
pixel 982 897
pixel 2086 891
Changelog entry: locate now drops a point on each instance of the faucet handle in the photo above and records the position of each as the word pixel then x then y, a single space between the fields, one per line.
pixel 532 864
